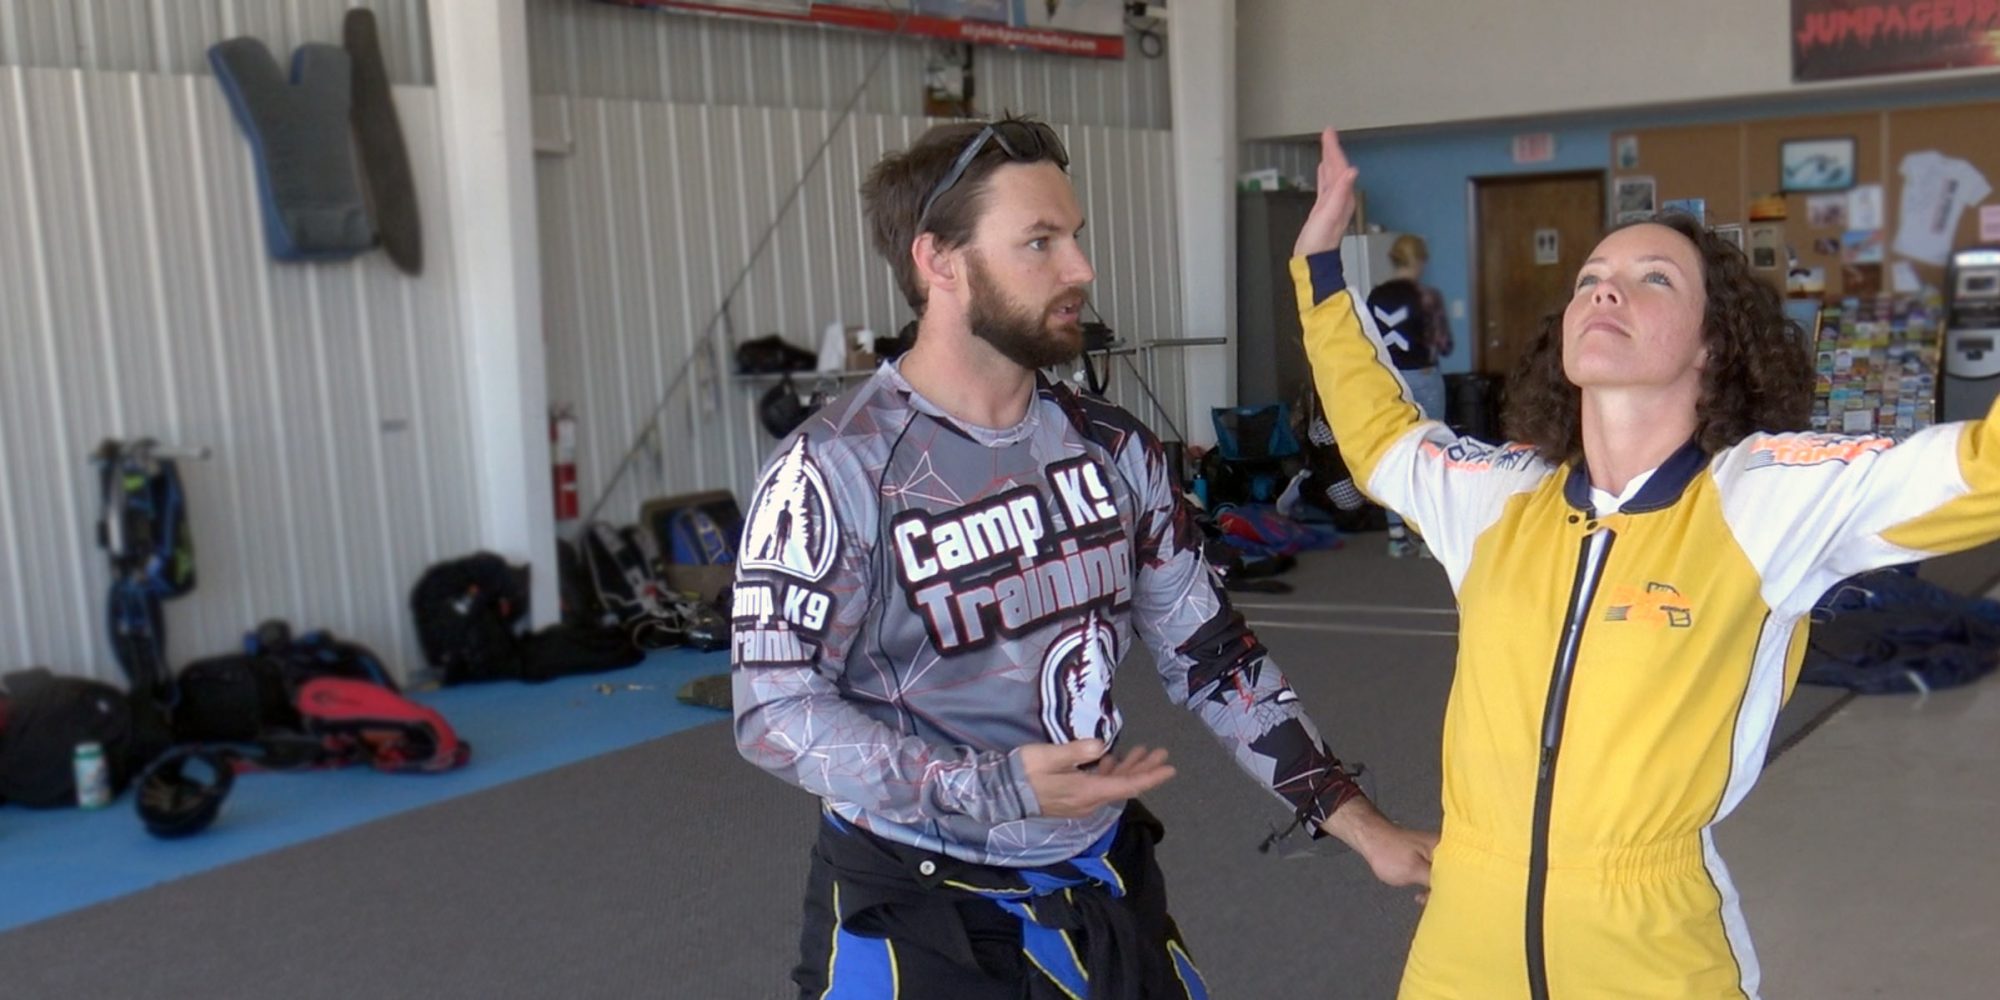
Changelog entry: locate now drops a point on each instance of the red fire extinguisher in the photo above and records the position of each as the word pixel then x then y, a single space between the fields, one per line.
pixel 562 448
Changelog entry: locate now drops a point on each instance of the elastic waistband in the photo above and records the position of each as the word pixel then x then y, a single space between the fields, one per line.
pixel 1679 856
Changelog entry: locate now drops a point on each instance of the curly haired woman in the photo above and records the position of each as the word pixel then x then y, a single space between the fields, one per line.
pixel 1634 576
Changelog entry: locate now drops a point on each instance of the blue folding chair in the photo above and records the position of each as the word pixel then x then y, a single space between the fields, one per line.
pixel 1255 442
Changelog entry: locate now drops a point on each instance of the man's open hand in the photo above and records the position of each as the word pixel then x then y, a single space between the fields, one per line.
pixel 1067 785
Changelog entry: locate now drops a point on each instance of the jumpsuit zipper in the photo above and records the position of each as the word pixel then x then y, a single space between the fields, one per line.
pixel 1590 560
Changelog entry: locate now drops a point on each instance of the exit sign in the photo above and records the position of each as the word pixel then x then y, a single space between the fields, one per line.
pixel 1535 147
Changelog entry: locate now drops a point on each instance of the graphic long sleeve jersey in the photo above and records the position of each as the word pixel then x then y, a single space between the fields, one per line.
pixel 917 598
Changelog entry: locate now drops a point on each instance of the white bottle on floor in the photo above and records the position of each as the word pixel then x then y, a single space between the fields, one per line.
pixel 93 778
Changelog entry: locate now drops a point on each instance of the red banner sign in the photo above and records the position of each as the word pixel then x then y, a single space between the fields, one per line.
pixel 1835 39
pixel 951 20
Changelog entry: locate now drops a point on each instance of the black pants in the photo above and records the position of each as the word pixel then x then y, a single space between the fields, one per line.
pixel 876 921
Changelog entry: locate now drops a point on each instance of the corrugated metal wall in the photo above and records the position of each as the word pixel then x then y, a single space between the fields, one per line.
pixel 644 226
pixel 668 183
pixel 173 36
pixel 136 299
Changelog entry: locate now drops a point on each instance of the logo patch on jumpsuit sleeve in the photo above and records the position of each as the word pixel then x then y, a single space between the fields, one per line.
pixel 792 528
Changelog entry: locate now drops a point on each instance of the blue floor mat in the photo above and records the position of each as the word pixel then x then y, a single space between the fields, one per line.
pixel 54 861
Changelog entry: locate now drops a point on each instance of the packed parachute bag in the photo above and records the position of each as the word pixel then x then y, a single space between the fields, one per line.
pixel 772 354
pixel 1239 568
pixel 470 613
pixel 565 650
pixel 624 568
pixel 250 696
pixel 783 409
pixel 342 722
pixel 695 529
pixel 142 526
pixel 697 534
pixel 233 698
pixel 318 653
pixel 362 723
pixel 46 715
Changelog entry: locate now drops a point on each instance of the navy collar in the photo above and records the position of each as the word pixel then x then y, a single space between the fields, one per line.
pixel 1669 481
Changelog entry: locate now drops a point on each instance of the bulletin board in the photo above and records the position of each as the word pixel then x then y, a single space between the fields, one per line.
pixel 1816 241
pixel 1964 131
pixel 1692 161
pixel 1730 165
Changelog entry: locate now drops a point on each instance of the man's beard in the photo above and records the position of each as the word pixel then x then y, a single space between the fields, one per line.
pixel 1030 338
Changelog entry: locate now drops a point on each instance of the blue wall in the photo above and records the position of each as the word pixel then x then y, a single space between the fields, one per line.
pixel 1417 182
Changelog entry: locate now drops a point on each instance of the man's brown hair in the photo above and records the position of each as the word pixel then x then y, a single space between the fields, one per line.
pixel 894 192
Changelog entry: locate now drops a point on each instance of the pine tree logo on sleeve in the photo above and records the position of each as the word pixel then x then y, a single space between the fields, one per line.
pixel 791 528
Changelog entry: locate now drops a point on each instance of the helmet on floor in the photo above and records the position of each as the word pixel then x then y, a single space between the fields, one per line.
pixel 175 800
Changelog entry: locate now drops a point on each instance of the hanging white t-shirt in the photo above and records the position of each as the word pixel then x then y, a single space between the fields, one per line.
pixel 1936 189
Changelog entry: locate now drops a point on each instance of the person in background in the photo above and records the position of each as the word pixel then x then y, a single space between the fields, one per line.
pixel 1417 332
pixel 1324 481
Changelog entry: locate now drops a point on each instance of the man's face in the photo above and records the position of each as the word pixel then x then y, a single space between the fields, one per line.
pixel 1025 270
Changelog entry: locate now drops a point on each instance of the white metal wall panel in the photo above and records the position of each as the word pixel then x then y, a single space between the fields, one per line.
pixel 646 222
pixel 137 299
pixel 688 133
pixel 582 48
pixel 173 36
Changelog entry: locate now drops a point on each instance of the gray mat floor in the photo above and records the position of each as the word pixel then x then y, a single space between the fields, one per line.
pixel 673 869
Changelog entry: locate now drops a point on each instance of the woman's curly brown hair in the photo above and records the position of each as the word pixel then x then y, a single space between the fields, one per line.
pixel 1759 374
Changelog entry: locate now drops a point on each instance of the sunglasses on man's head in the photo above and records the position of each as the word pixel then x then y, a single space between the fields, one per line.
pixel 1022 141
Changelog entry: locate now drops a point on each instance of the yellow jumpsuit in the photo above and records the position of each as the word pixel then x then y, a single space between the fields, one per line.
pixel 1619 673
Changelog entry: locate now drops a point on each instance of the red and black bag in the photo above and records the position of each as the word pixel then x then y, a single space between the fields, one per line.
pixel 361 722
pixel 252 696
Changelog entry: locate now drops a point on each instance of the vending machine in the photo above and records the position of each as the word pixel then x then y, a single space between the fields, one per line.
pixel 1972 334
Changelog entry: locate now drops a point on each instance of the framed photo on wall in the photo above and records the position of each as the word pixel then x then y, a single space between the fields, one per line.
pixel 1632 198
pixel 1816 164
